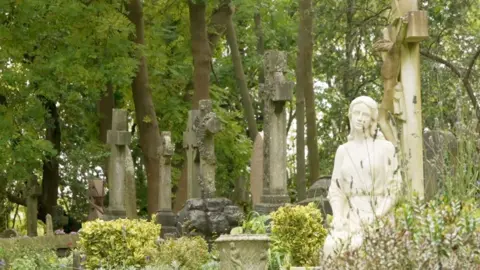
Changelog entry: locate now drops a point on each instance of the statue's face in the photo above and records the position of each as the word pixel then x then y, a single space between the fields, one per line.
pixel 361 117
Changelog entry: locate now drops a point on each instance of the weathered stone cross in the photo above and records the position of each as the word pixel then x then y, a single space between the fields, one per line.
pixel 118 137
pixel 193 163
pixel 275 93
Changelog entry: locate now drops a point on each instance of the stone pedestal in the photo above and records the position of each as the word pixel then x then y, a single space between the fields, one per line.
pixel 168 220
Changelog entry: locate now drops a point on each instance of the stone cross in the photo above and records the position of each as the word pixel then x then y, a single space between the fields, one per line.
pixel 193 161
pixel 118 137
pixel 165 215
pixel 130 186
pixel 96 195
pixel 208 125
pixel 275 93
pixel 256 169
pixel 33 192
pixel 402 97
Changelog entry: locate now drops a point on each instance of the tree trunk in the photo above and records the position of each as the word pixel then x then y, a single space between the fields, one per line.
pixel 51 173
pixel 248 111
pixel 260 43
pixel 200 51
pixel 105 107
pixel 305 77
pixel 146 117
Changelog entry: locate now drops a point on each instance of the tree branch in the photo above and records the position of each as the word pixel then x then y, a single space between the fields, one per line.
pixel 471 64
pixel 438 59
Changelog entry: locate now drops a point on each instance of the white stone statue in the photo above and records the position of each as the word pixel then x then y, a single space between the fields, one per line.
pixel 365 179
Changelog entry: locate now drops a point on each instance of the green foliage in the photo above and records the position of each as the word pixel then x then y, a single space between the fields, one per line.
pixel 31 258
pixel 256 223
pixel 188 253
pixel 298 232
pixel 121 242
pixel 442 233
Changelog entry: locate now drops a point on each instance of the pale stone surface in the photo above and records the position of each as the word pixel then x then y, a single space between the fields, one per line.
pixel 256 169
pixel 96 195
pixel 165 215
pixel 365 179
pixel 276 91
pixel 208 126
pixel 130 186
pixel 118 139
pixel 191 147
pixel 33 192
pixel 49 225
pixel 402 88
pixel 243 251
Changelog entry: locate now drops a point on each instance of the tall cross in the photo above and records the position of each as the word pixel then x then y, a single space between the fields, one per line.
pixel 193 162
pixel 400 113
pixel 208 125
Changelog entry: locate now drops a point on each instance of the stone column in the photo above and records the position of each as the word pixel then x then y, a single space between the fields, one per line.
pixel 118 137
pixel 208 126
pixel 33 192
pixel 96 195
pixel 275 93
pixel 193 162
pixel 165 216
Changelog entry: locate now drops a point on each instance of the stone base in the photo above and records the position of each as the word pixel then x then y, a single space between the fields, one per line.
pixel 112 214
pixel 270 203
pixel 168 220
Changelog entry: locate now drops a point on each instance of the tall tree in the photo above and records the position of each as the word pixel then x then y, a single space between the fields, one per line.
pixel 200 51
pixel 146 117
pixel 248 111
pixel 305 84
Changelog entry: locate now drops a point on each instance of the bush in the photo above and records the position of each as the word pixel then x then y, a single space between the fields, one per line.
pixel 31 258
pixel 184 253
pixel 118 243
pixel 298 232
pixel 442 234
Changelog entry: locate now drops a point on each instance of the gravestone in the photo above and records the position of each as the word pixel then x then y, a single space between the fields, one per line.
pixel 130 187
pixel 33 192
pixel 96 195
pixel 118 137
pixel 165 216
pixel 440 152
pixel 256 169
pixel 193 158
pixel 275 93
pixel 317 194
pixel 208 125
pixel 48 225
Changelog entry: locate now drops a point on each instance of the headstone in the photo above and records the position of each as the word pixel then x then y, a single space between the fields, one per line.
pixel 276 91
pixel 130 186
pixel 440 146
pixel 317 194
pixel 208 125
pixel 256 169
pixel 33 192
pixel 96 195
pixel 193 158
pixel 118 137
pixel 165 216
pixel 49 225
pixel 76 260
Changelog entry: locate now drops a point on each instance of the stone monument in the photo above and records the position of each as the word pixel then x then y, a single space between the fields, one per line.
pixel 400 113
pixel 96 195
pixel 204 214
pixel 275 93
pixel 118 137
pixel 33 192
pixel 256 169
pixel 165 216
pixel 365 181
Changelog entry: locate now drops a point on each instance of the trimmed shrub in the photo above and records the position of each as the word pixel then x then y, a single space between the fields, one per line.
pixel 298 233
pixel 118 243
pixel 188 253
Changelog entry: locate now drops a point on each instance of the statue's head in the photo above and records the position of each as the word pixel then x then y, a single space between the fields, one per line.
pixel 363 116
